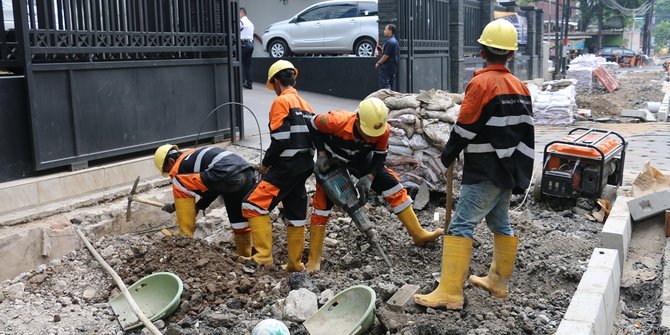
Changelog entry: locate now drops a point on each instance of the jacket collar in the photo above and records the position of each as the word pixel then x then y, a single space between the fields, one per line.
pixel 495 67
pixel 290 90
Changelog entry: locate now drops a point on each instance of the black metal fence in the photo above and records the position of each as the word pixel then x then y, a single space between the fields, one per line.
pixel 438 40
pixel 112 77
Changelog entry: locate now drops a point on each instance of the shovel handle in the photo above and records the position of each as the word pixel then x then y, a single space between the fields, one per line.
pixel 450 193
pixel 148 202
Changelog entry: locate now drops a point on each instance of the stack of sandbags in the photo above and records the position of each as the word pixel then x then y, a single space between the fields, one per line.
pixel 583 75
pixel 555 103
pixel 420 127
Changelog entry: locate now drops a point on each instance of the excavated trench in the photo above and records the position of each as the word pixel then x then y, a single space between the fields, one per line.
pixel 226 295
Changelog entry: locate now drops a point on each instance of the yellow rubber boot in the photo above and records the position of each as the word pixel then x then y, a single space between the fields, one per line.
pixel 419 235
pixel 296 243
pixel 456 255
pixel 243 243
pixel 317 235
pixel 185 208
pixel 504 254
pixel 261 232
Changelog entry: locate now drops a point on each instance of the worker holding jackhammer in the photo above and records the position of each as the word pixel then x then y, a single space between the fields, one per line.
pixel 208 172
pixel 286 166
pixel 360 141
pixel 495 130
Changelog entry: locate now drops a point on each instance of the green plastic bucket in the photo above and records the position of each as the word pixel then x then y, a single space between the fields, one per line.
pixel 157 295
pixel 350 312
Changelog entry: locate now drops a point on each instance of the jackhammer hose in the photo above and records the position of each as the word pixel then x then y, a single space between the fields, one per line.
pixel 260 137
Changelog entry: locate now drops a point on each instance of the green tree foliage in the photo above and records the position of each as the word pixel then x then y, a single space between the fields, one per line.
pixel 662 34
pixel 662 10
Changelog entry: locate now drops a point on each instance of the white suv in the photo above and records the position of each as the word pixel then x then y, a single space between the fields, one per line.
pixel 327 27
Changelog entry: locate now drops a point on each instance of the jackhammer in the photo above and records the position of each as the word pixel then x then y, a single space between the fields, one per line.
pixel 339 188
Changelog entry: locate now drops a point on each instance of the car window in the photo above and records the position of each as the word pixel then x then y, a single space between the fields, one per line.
pixel 367 8
pixel 343 11
pixel 314 14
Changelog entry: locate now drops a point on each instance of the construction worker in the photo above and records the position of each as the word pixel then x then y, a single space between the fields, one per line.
pixel 359 140
pixel 286 166
pixel 209 172
pixel 495 129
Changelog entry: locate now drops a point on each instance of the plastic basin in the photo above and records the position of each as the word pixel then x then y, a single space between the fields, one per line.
pixel 350 312
pixel 157 295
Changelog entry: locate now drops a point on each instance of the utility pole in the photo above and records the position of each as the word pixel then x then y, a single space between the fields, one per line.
pixel 566 17
pixel 557 46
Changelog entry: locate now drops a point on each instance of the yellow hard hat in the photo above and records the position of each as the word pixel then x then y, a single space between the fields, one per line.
pixel 161 154
pixel 276 67
pixel 499 34
pixel 372 113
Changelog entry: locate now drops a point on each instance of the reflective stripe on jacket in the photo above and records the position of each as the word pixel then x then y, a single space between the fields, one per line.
pixel 495 129
pixel 291 146
pixel 336 133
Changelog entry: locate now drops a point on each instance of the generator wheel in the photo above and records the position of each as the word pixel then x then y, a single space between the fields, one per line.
pixel 609 193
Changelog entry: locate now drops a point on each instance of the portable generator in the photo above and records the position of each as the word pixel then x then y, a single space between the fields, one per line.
pixel 587 162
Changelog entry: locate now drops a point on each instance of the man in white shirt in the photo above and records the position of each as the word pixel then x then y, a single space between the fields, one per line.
pixel 247 40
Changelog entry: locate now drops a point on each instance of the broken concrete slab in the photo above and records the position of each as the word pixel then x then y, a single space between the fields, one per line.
pixel 422 197
pixel 300 305
pixel 649 205
pixel 402 296
pixel 636 113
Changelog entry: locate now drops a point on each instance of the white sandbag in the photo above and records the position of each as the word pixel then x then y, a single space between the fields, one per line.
pixel 395 131
pixel 401 150
pixel 437 133
pixel 418 143
pixel 399 140
pixel 394 114
pixel 408 118
pixel 402 102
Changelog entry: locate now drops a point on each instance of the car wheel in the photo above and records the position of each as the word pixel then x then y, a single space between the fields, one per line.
pixel 278 48
pixel 364 48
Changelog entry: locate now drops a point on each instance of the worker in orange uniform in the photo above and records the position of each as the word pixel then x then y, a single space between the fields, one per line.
pixel 286 166
pixel 208 172
pixel 359 140
pixel 495 129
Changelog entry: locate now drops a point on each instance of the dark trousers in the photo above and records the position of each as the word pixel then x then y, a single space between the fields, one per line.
pixel 233 190
pixel 247 51
pixel 386 78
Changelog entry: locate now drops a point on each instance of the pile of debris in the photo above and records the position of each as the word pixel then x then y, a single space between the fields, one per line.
pixel 581 69
pixel 420 127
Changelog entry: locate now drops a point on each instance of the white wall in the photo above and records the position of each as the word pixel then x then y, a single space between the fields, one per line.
pixel 262 13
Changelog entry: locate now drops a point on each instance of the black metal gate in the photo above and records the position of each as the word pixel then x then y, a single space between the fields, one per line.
pixel 111 77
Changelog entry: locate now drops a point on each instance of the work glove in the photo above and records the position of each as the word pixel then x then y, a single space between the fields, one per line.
pixel 364 183
pixel 322 164
pixel 169 207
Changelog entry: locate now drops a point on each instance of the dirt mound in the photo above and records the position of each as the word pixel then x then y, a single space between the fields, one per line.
pixel 635 89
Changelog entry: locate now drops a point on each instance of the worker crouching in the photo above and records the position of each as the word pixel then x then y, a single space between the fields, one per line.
pixel 359 141
pixel 286 166
pixel 495 129
pixel 208 172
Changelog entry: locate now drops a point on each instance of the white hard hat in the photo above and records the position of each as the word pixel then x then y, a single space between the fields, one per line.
pixel 270 327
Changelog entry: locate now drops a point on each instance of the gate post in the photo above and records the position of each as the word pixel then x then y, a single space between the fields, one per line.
pixel 531 46
pixel 488 7
pixel 539 42
pixel 456 44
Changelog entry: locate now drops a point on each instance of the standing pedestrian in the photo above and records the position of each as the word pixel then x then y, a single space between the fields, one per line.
pixel 495 128
pixel 247 39
pixel 388 63
pixel 286 166
pixel 209 172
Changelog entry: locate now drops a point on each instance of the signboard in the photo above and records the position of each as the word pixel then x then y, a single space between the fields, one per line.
pixel 520 23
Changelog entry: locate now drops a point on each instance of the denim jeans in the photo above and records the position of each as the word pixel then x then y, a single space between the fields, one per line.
pixel 386 79
pixel 479 201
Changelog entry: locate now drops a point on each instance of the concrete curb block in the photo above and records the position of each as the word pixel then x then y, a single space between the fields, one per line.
pixel 617 229
pixel 593 307
pixel 665 314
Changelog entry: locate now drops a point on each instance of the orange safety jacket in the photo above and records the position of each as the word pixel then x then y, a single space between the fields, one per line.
pixel 495 128
pixel 337 134
pixel 197 169
pixel 291 147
